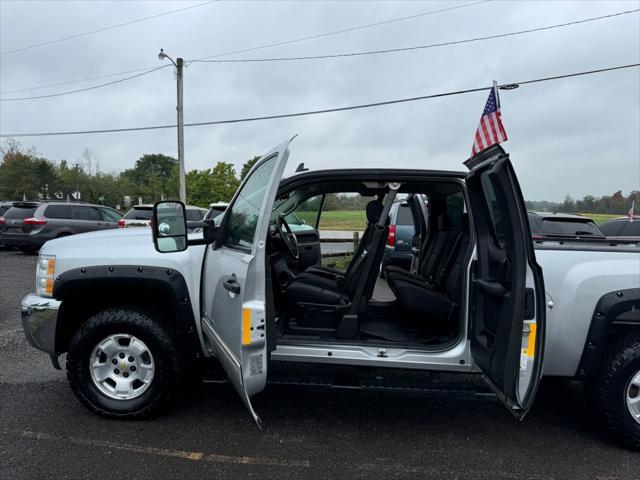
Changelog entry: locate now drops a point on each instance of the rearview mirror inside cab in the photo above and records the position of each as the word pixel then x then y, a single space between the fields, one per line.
pixel 169 226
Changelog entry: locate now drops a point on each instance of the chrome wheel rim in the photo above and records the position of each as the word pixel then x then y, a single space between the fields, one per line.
pixel 632 396
pixel 122 366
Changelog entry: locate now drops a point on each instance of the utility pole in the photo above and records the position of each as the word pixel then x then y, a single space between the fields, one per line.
pixel 179 64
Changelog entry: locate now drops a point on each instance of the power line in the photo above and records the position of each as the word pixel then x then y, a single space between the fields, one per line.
pixel 416 47
pixel 322 111
pixel 93 87
pixel 349 54
pixel 103 29
pixel 75 81
pixel 345 30
pixel 286 42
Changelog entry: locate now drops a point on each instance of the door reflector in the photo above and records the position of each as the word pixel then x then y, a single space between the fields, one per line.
pixel 246 326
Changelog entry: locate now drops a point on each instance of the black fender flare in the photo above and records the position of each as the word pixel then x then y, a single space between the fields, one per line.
pixel 614 312
pixel 79 284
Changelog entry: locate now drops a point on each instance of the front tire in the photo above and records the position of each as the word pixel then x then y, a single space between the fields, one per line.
pixel 616 390
pixel 123 363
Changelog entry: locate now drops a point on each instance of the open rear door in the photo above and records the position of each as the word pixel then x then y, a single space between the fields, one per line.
pixel 234 297
pixel 507 289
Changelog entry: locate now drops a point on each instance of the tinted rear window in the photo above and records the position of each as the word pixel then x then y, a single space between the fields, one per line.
pixel 19 212
pixel 4 208
pixel 568 227
pixel 58 211
pixel 86 213
pixel 612 228
pixel 138 214
pixel 621 228
pixel 404 216
pixel 193 215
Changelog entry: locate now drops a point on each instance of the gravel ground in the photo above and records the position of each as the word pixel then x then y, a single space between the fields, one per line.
pixel 309 433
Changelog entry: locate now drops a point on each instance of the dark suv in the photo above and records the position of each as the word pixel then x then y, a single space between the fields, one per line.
pixel 28 225
pixel 398 251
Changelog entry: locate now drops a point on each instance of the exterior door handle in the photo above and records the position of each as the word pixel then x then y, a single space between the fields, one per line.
pixel 232 285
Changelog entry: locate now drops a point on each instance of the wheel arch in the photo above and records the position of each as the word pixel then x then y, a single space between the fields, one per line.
pixel 161 292
pixel 615 314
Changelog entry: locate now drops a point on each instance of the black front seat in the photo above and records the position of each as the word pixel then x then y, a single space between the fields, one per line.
pixel 309 288
pixel 374 209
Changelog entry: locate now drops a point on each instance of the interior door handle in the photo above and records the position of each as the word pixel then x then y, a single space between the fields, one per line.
pixel 491 288
pixel 232 285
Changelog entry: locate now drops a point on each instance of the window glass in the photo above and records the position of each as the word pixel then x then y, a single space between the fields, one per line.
pixel 193 215
pixel 19 213
pixel 138 214
pixel 404 215
pixel 58 211
pixel 244 213
pixel 493 207
pixel 214 213
pixel 631 229
pixel 4 208
pixel 110 215
pixel 569 227
pixel 456 208
pixel 86 213
pixel 613 228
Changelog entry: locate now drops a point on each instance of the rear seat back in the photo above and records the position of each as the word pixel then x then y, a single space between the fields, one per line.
pixel 436 249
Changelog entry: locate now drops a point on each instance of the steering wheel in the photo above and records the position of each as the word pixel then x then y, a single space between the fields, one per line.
pixel 288 237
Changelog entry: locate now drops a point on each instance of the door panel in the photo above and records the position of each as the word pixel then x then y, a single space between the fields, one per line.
pixel 233 295
pixel 506 338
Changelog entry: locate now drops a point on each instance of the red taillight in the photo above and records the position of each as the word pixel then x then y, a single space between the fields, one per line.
pixel 34 221
pixel 2 221
pixel 391 241
pixel 121 223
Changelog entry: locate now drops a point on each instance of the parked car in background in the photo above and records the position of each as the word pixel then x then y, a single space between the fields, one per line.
pixel 4 206
pixel 622 227
pixel 216 210
pixel 28 225
pixel 140 216
pixel 546 224
pixel 398 251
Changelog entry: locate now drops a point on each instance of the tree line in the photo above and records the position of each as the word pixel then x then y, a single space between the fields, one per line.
pixel 26 175
pixel 614 204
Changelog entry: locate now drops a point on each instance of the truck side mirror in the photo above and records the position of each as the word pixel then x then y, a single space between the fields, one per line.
pixel 169 227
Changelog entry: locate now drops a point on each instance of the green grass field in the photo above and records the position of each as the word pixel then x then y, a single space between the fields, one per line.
pixel 336 219
pixel 355 219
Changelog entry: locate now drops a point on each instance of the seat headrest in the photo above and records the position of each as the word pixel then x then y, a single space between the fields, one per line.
pixel 374 209
pixel 444 222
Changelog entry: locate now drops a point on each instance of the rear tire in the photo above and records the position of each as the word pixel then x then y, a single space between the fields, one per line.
pixel 87 349
pixel 616 390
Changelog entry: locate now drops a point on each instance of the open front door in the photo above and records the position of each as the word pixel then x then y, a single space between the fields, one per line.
pixel 507 290
pixel 234 298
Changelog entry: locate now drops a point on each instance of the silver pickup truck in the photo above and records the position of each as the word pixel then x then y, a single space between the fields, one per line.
pixel 136 322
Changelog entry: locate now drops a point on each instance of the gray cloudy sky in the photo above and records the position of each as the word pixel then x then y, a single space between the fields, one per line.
pixel 578 136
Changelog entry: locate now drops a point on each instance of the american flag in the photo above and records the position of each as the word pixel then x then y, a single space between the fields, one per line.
pixel 630 212
pixel 490 131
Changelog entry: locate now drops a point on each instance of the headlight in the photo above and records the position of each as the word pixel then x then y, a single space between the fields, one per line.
pixel 44 275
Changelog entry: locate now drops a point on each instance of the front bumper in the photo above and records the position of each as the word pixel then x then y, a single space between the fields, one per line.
pixel 39 321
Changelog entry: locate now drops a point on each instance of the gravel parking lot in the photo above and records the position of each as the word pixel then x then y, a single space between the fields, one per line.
pixel 308 433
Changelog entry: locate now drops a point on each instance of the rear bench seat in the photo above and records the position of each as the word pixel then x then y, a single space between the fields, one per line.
pixel 435 291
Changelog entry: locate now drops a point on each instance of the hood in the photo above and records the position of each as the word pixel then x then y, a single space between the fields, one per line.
pixel 118 235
